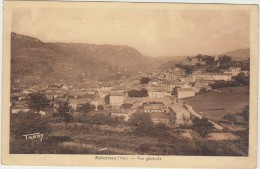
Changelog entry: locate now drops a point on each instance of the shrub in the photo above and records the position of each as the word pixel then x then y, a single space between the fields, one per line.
pixel 188 69
pixel 86 107
pixel 231 118
pixel 160 126
pixel 202 127
pixel 64 111
pixel 107 99
pixel 100 107
pixel 28 123
pixel 221 84
pixel 245 113
pixel 38 101
pixel 144 80
pixel 138 93
pixel 243 79
pixel 202 90
pixel 141 120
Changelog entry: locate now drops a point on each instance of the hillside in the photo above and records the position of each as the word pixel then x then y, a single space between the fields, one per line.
pixel 239 54
pixel 33 59
pixel 169 62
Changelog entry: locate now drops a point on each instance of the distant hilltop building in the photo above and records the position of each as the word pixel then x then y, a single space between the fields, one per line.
pixel 235 70
pixel 192 61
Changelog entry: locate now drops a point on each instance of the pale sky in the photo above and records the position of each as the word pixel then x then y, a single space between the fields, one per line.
pixel 153 32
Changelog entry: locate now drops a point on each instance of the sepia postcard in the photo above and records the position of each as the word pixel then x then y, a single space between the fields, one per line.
pixel 117 84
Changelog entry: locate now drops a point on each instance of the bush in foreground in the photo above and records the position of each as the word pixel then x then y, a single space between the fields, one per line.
pixel 202 127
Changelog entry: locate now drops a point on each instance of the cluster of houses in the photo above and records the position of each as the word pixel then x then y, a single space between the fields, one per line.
pixel 176 82
pixel 164 90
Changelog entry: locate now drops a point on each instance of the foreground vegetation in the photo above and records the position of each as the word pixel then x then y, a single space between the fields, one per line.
pixel 96 132
pixel 102 134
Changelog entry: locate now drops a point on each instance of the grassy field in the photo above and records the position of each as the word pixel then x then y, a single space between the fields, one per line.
pixel 214 105
pixel 88 136
pixel 80 138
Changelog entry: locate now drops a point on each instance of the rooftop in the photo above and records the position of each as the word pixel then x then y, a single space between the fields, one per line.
pixel 184 89
pixel 127 106
pixel 179 109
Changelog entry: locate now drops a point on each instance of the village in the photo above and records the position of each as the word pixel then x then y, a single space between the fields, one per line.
pixel 159 93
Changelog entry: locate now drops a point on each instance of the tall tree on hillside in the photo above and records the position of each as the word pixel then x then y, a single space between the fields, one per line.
pixel 107 99
pixel 64 111
pixel 38 101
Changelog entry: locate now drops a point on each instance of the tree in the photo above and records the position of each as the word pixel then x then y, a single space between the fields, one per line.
pixel 202 127
pixel 188 69
pixel 221 84
pixel 100 107
pixel 174 90
pixel 225 61
pixel 138 93
pixel 86 107
pixel 143 93
pixel 242 79
pixel 38 101
pixel 144 80
pixel 107 99
pixel 202 90
pixel 210 60
pixel 230 117
pixel 64 111
pixel 245 113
